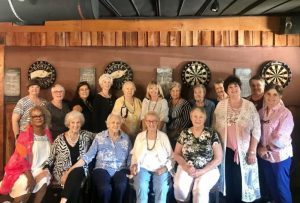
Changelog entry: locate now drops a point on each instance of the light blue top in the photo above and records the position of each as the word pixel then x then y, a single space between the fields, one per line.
pixel 110 156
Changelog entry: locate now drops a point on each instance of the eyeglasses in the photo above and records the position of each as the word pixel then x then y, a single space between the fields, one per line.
pixel 149 121
pixel 37 116
pixel 58 92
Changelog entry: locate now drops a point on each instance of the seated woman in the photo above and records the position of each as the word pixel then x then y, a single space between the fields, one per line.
pixel 23 172
pixel 66 149
pixel 111 149
pixel 151 157
pixel 198 152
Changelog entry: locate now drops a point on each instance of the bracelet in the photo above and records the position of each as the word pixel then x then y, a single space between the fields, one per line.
pixel 250 153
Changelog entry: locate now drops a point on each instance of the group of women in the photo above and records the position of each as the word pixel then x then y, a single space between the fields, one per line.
pixel 212 143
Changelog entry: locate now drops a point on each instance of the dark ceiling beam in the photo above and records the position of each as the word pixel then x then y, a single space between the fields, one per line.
pixel 158 8
pixel 203 7
pixel 276 6
pixel 180 8
pixel 228 6
pixel 135 7
pixel 111 7
pixel 251 6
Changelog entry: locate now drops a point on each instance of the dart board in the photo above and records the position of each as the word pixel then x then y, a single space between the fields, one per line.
pixel 194 73
pixel 43 72
pixel 276 72
pixel 120 72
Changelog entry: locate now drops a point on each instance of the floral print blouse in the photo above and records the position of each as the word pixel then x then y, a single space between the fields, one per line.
pixel 198 151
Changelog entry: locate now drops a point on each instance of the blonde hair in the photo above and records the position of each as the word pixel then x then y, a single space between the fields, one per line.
pixel 152 113
pixel 154 83
pixel 175 84
pixel 44 111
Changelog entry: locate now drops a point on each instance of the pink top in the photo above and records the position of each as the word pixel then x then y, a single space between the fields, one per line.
pixel 232 117
pixel 277 127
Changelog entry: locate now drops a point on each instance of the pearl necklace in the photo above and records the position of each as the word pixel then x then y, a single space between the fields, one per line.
pixel 72 141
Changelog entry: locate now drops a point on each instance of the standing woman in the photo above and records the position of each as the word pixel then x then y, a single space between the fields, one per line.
pixel 20 116
pixel 179 113
pixel 257 85
pixel 82 102
pixel 155 101
pixel 130 108
pixel 58 110
pixel 238 124
pixel 275 148
pixel 198 153
pixel 151 157
pixel 200 101
pixel 103 103
pixel 65 151
pixel 23 172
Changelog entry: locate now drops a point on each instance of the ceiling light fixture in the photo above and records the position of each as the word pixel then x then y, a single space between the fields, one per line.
pixel 215 6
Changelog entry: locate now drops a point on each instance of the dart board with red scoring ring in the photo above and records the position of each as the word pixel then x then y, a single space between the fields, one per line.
pixel 276 72
pixel 194 73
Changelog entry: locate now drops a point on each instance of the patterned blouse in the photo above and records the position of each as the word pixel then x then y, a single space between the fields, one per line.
pixel 60 157
pixel 198 151
pixel 23 107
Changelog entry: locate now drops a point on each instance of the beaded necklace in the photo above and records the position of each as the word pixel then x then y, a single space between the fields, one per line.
pixel 148 148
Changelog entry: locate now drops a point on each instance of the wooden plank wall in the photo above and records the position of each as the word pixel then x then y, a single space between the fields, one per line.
pixel 2 109
pixel 238 31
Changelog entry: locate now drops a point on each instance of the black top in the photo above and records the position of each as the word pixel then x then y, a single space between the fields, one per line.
pixel 58 118
pixel 74 151
pixel 87 110
pixel 102 107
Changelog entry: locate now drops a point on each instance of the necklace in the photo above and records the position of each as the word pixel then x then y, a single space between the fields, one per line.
pixel 132 112
pixel 72 140
pixel 148 148
pixel 154 105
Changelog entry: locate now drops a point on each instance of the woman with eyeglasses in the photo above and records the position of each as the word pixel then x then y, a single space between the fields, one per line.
pixel 275 148
pixel 130 108
pixel 58 110
pixel 23 172
pixel 151 157
pixel 83 102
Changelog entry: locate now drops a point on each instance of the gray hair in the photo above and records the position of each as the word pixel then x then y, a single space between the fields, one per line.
pixel 129 83
pixel 175 84
pixel 105 76
pixel 200 86
pixel 113 115
pixel 73 115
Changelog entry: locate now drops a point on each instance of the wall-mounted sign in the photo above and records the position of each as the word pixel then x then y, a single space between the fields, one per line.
pixel 88 75
pixel 245 75
pixel 120 72
pixel 43 72
pixel 164 77
pixel 12 84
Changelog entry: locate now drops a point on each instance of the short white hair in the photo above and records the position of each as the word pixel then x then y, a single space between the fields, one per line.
pixel 129 83
pixel 57 86
pixel 105 76
pixel 114 115
pixel 73 115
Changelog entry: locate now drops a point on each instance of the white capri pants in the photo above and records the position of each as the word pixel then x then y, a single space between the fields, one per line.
pixel 183 184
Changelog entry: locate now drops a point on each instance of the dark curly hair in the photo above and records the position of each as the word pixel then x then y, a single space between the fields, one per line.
pixel 232 79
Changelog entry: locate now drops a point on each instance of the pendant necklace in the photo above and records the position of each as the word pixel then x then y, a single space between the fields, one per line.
pixel 154 105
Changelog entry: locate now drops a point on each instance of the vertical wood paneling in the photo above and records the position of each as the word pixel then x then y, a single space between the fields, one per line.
pixel 196 38
pixel 10 39
pixel 175 39
pixel 2 112
pixel 218 41
pixel 241 38
pixel 153 39
pixel 50 39
pixel 100 38
pixel 38 39
pixel 120 39
pixel 280 40
pixel 74 38
pixel 164 38
pixel 60 39
pixel 134 39
pixel 2 38
pixel 267 38
pixel 186 38
pixel 94 38
pixel 142 39
pixel 293 40
pixel 206 38
pixel 248 38
pixel 256 38
pixel 23 38
pixel 109 39
pixel 233 38
pixel 86 39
